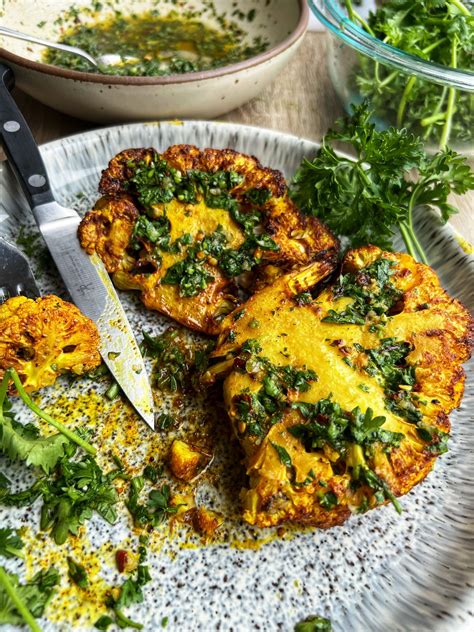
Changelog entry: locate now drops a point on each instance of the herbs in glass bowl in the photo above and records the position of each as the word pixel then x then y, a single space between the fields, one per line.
pixel 412 59
pixel 438 31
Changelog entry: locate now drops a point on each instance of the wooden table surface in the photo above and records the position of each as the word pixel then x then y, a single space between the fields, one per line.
pixel 302 102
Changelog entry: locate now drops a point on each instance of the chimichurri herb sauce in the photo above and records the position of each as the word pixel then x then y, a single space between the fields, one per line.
pixel 152 45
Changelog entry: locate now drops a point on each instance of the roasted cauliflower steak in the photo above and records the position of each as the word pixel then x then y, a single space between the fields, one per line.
pixel 43 338
pixel 182 226
pixel 340 396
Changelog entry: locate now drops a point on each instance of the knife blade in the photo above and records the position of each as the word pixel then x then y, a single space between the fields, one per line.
pixel 85 277
pixel 92 291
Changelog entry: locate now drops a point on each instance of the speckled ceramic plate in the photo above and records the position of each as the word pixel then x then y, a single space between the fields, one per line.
pixel 380 571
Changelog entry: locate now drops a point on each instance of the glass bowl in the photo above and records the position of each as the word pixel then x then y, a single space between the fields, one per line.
pixel 361 66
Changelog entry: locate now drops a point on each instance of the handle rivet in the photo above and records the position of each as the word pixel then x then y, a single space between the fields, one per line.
pixel 36 180
pixel 11 126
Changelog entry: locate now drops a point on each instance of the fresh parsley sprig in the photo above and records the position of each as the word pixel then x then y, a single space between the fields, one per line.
pixel 366 198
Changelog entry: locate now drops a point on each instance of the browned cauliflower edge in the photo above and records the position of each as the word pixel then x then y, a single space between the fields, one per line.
pixel 190 251
pixel 340 398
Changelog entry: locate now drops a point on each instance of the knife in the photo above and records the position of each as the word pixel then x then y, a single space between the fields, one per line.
pixel 85 277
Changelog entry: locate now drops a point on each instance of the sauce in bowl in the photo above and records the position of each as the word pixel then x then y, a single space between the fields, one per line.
pixel 153 45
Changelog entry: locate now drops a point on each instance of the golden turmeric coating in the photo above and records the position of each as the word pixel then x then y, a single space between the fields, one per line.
pixel 182 226
pixel 43 338
pixel 341 400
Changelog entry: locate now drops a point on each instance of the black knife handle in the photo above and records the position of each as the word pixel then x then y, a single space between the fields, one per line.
pixel 20 146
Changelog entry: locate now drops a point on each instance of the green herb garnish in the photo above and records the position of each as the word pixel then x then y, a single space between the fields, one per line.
pixel 261 409
pixel 11 544
pixel 77 573
pixel 178 364
pixel 156 510
pixel 314 623
pixel 372 290
pixel 23 442
pixel 23 603
pixel 330 425
pixel 130 593
pixel 368 197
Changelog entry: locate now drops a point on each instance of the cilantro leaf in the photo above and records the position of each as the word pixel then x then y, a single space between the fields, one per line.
pixel 23 443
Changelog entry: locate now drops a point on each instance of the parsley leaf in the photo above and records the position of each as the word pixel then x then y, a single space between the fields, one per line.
pixel 71 496
pixel 10 543
pixel 157 508
pixel 77 573
pixel 22 603
pixel 285 458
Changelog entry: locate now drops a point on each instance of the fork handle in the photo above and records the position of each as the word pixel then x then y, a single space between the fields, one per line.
pixel 20 146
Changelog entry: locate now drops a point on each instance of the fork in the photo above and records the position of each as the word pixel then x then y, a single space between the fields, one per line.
pixel 16 277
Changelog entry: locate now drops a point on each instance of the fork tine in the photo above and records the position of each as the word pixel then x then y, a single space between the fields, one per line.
pixel 16 277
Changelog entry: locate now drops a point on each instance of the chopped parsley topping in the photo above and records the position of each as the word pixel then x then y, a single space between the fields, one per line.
pixel 362 475
pixel 303 298
pixel 178 363
pixel 258 196
pixel 352 435
pixel 372 290
pixel 328 500
pixel 285 458
pixel 330 425
pixel 261 409
pixel 437 439
pixel 156 182
pixel 314 623
pixel 388 364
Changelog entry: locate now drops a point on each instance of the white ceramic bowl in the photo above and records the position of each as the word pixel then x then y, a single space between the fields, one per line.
pixel 105 98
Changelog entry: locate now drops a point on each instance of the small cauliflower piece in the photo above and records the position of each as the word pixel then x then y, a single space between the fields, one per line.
pixel 184 461
pixel 206 522
pixel 44 338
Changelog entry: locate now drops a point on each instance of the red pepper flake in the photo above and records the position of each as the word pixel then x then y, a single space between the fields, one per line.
pixel 121 558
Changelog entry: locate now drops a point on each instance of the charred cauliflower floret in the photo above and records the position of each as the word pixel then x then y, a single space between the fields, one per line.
pixel 341 400
pixel 43 338
pixel 185 461
pixel 181 227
